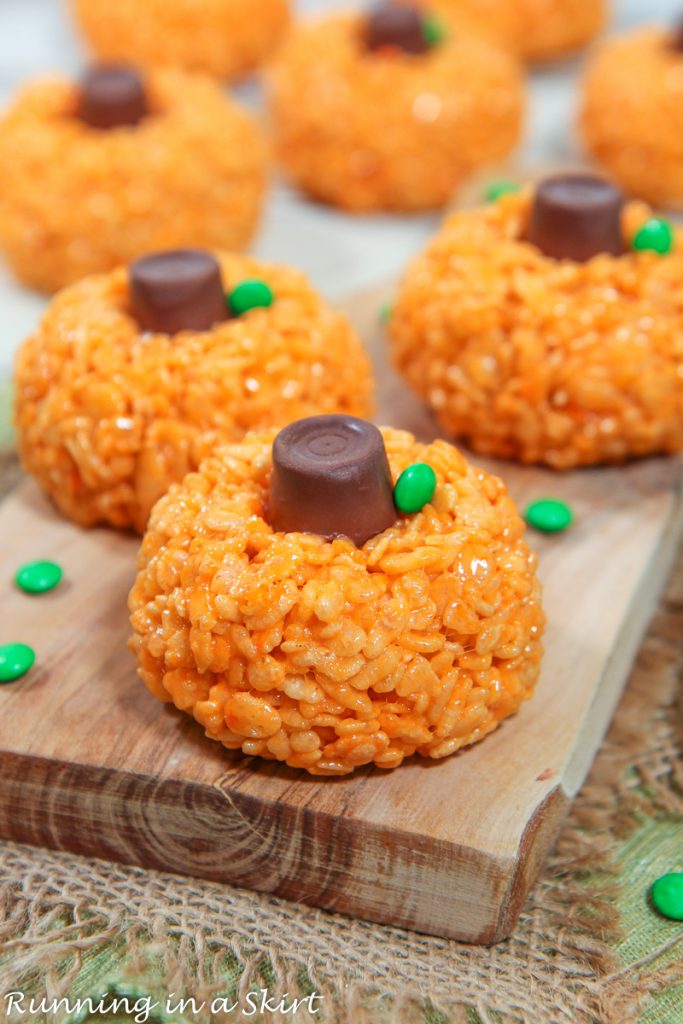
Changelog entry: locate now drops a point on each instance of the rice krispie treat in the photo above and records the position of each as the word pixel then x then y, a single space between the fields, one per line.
pixel 548 326
pixel 632 118
pixel 340 597
pixel 134 376
pixel 387 111
pixel 224 38
pixel 536 30
pixel 98 172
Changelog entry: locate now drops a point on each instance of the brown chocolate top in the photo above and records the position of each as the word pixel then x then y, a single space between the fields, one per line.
pixel 331 476
pixel 112 96
pixel 395 26
pixel 575 217
pixel 177 290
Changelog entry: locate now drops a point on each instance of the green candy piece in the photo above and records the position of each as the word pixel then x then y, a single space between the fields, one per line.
pixel 38 577
pixel 656 235
pixel 497 189
pixel 250 295
pixel 385 311
pixel 667 895
pixel 415 488
pixel 434 31
pixel 549 515
pixel 15 661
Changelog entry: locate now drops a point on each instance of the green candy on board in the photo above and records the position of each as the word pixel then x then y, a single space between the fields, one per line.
pixel 15 661
pixel 385 311
pixel 549 515
pixel 38 577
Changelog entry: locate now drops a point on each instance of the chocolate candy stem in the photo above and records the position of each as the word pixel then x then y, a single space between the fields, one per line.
pixel 112 96
pixel 576 217
pixel 178 290
pixel 331 476
pixel 398 27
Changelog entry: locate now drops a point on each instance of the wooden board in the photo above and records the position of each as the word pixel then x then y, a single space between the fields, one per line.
pixel 90 762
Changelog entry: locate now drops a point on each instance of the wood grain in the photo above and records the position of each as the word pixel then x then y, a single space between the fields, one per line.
pixel 90 762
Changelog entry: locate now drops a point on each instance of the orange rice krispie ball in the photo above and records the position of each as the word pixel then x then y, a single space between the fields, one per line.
pixel 549 337
pixel 112 407
pixel 224 38
pixel 309 649
pixel 536 30
pixel 632 117
pixel 86 185
pixel 387 118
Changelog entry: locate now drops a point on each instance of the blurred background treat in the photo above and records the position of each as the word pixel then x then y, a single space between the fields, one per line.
pixel 632 114
pixel 391 109
pixel 97 171
pixel 225 38
pixel 535 30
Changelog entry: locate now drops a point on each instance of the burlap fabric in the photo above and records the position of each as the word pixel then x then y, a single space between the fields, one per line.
pixel 588 947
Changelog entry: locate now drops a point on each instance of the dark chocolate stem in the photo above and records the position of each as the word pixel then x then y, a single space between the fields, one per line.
pixel 331 476
pixel 112 96
pixel 396 26
pixel 576 217
pixel 177 290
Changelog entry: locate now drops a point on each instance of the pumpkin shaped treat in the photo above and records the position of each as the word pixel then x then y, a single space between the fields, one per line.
pixel 134 376
pixel 387 111
pixel 334 596
pixel 547 327
pixel 96 173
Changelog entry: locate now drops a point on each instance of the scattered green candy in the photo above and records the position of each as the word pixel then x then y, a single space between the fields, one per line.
pixel 497 189
pixel 667 895
pixel 549 515
pixel 15 661
pixel 385 311
pixel 433 30
pixel 250 295
pixel 38 577
pixel 656 235
pixel 415 488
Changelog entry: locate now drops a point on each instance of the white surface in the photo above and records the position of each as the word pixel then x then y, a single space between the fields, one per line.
pixel 338 252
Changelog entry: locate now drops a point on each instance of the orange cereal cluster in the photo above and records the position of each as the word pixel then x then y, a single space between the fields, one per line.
pixel 325 655
pixel 75 200
pixel 536 30
pixel 224 38
pixel 108 417
pixel 388 130
pixel 540 360
pixel 632 118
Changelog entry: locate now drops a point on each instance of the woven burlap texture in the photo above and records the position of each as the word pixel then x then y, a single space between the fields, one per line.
pixel 561 964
